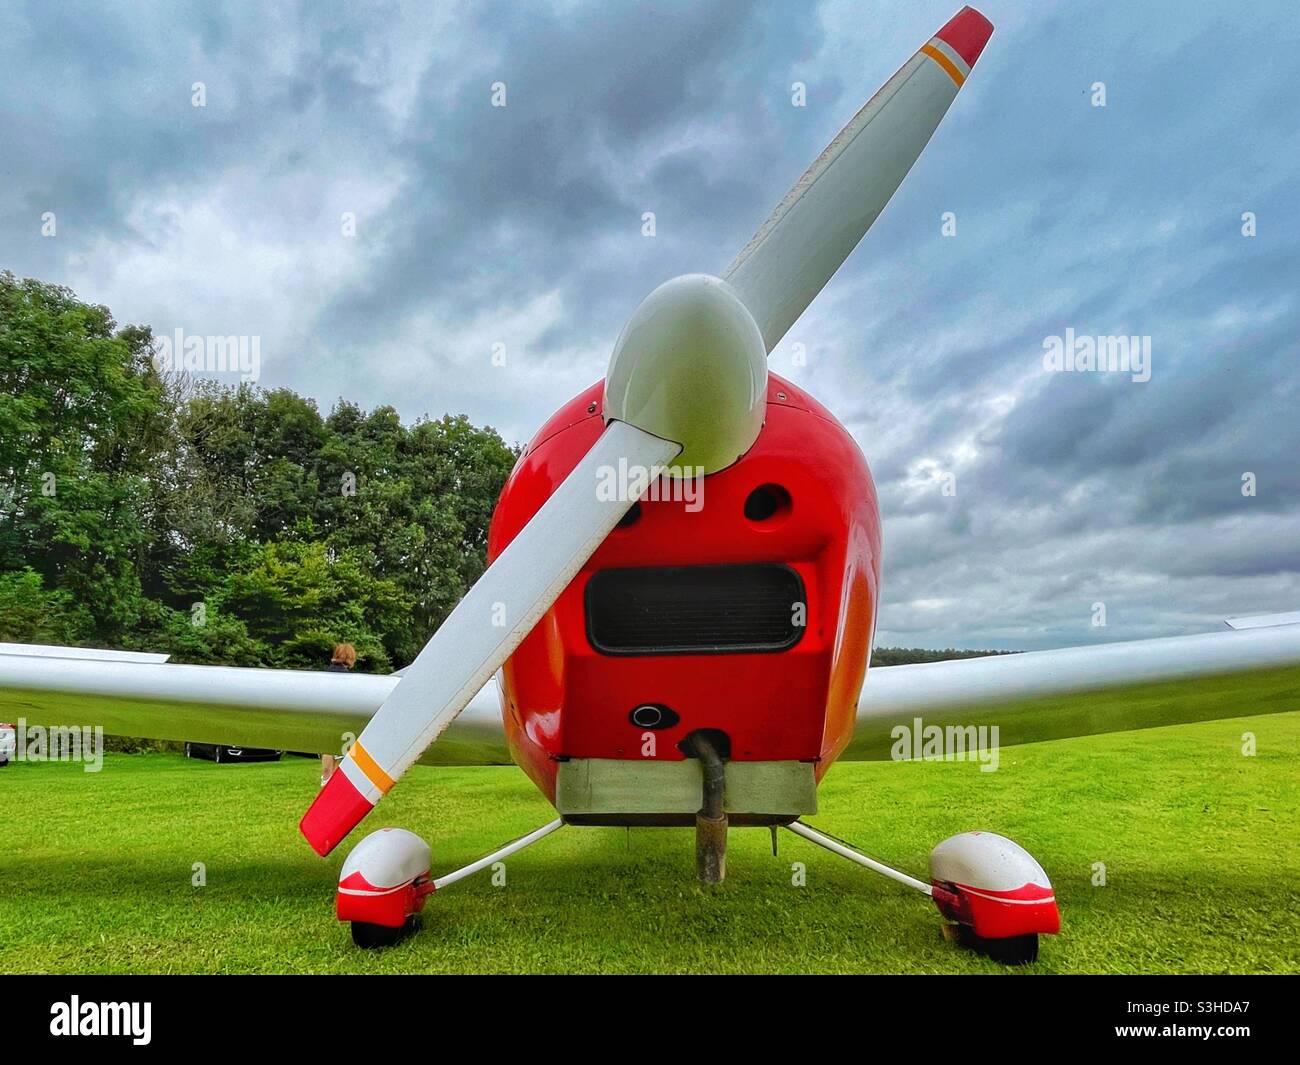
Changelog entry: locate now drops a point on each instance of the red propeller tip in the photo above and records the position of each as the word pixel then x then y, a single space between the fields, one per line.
pixel 336 811
pixel 966 33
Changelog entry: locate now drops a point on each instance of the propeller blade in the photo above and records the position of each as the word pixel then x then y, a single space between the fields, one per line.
pixel 482 632
pixel 829 209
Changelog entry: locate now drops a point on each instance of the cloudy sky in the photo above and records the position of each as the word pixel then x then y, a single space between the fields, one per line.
pixel 522 226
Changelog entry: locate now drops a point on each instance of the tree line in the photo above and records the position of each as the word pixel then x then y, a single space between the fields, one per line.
pixel 231 525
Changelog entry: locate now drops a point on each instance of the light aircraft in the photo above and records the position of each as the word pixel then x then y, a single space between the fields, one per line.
pixel 672 664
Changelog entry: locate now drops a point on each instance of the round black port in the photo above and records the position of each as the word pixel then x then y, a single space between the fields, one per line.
pixel 653 716
pixel 631 517
pixel 766 502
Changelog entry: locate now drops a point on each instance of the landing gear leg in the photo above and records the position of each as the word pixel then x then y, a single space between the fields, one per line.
pixel 497 855
pixel 845 851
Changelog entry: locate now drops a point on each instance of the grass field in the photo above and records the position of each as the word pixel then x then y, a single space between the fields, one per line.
pixel 1199 844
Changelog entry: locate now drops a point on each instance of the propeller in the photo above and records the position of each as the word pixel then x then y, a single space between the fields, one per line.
pixel 829 209
pixel 687 385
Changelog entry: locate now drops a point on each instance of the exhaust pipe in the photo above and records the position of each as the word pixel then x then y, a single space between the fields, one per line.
pixel 711 820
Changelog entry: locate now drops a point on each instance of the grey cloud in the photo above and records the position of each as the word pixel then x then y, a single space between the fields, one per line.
pixel 1071 489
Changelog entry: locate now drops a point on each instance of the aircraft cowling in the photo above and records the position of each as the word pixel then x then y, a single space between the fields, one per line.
pixel 565 699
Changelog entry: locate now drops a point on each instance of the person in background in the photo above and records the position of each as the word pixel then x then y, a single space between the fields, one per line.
pixel 342 661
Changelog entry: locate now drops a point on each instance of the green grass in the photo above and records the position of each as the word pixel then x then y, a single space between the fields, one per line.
pixel 1199 842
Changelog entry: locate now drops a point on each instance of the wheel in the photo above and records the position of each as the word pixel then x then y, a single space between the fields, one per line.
pixel 1013 950
pixel 371 936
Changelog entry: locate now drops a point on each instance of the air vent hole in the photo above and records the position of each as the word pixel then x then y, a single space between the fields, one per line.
pixel 766 502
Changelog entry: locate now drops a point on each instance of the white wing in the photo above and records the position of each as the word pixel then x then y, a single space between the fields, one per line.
pixel 1079 691
pixel 133 694
pixel 1040 695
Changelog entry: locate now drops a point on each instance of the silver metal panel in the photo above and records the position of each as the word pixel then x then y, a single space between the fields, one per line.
pixel 628 786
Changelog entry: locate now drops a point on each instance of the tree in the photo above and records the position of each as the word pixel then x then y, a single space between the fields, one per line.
pixel 221 524
pixel 31 613
pixel 81 419
pixel 300 599
pixel 205 634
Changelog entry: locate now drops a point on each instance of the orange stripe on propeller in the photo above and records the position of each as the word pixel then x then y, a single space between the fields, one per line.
pixel 948 65
pixel 373 771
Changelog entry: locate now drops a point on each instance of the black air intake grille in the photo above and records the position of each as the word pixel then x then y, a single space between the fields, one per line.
pixel 694 610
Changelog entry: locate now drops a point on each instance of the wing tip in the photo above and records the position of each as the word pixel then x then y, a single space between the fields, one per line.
pixel 966 33
pixel 1264 621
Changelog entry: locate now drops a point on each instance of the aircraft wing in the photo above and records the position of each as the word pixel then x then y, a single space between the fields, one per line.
pixel 1254 668
pixel 134 694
